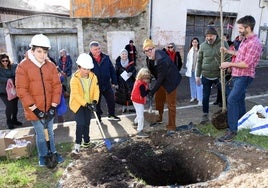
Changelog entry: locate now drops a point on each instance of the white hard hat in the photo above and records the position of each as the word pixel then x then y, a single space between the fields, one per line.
pixel 40 40
pixel 85 61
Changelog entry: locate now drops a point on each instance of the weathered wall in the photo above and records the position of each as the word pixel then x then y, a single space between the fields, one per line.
pixel 18 33
pixel 2 41
pixel 106 8
pixel 98 29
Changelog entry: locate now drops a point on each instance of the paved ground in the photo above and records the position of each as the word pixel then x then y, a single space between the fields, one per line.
pixel 114 129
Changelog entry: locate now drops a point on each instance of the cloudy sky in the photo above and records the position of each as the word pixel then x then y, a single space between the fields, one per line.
pixel 39 4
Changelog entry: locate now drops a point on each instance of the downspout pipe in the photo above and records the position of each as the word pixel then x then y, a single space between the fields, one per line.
pixel 151 19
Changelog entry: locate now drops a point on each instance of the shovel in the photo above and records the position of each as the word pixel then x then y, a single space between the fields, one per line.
pixel 107 142
pixel 51 158
pixel 151 116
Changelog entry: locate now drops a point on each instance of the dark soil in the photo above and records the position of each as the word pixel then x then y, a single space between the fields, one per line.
pixel 187 159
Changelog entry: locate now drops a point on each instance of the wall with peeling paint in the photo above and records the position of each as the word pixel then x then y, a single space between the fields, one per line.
pixel 106 8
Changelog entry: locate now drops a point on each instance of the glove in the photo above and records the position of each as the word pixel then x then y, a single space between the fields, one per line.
pixel 40 114
pixel 150 95
pixel 92 106
pixel 51 113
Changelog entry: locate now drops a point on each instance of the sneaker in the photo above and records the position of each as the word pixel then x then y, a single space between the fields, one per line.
pixel 141 134
pixel 76 149
pixel 114 118
pixel 192 100
pixel 135 125
pixel 228 137
pixel 199 103
pixel 87 145
pixel 42 161
pixel 170 132
pixel 205 119
pixel 59 158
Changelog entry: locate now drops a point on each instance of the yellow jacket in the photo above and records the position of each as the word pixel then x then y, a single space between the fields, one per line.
pixel 76 96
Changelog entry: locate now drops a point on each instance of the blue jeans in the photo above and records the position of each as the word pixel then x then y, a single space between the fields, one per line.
pixel 196 90
pixel 207 90
pixel 193 86
pixel 41 143
pixel 82 119
pixel 236 101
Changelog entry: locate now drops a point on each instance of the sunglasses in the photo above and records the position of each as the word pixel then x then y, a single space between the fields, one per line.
pixel 170 46
pixel 5 60
pixel 148 51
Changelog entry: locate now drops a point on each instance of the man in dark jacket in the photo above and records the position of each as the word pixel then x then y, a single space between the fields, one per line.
pixel 167 78
pixel 105 72
pixel 132 51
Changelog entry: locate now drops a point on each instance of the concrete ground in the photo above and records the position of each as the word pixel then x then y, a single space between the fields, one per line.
pixel 117 129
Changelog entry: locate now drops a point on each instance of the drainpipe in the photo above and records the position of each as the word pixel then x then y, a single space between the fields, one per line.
pixel 151 19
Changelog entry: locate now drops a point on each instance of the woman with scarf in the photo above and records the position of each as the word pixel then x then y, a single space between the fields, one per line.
pixel 174 55
pixel 126 73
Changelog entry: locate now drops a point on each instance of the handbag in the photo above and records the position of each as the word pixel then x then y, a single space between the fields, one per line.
pixel 11 90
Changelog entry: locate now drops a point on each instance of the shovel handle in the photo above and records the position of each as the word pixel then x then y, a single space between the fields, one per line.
pixel 46 134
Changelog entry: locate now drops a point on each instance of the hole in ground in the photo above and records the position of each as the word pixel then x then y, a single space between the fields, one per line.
pixel 173 166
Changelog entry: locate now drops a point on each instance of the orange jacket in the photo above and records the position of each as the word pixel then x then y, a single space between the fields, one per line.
pixel 37 85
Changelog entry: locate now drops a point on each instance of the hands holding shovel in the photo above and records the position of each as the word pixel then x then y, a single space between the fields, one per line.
pixel 92 106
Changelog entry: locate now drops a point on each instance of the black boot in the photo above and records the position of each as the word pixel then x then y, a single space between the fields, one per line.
pixel 16 122
pixel 10 125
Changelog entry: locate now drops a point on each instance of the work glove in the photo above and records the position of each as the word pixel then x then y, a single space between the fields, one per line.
pixel 40 114
pixel 51 113
pixel 92 106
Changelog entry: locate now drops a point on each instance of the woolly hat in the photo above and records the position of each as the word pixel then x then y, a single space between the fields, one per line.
pixel 123 51
pixel 211 30
pixel 148 43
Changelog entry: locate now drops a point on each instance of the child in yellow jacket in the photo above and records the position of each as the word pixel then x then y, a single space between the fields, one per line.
pixel 83 98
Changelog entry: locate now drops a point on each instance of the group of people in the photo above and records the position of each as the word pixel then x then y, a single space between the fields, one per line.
pixel 39 87
pixel 240 61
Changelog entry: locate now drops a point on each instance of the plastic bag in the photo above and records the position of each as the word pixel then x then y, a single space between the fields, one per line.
pixel 11 91
pixel 256 119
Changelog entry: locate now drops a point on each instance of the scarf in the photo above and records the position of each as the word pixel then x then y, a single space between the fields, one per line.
pixel 172 55
pixel 124 63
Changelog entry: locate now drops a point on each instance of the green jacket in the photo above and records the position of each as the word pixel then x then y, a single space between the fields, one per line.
pixel 209 59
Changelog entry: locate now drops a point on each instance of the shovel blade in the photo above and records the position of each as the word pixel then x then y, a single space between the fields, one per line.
pixel 108 143
pixel 51 161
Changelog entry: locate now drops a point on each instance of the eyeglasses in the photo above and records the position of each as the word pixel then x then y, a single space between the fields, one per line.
pixel 148 51
pixel 170 46
pixel 4 60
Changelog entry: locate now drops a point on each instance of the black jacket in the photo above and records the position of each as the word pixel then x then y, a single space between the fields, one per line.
pixel 165 72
